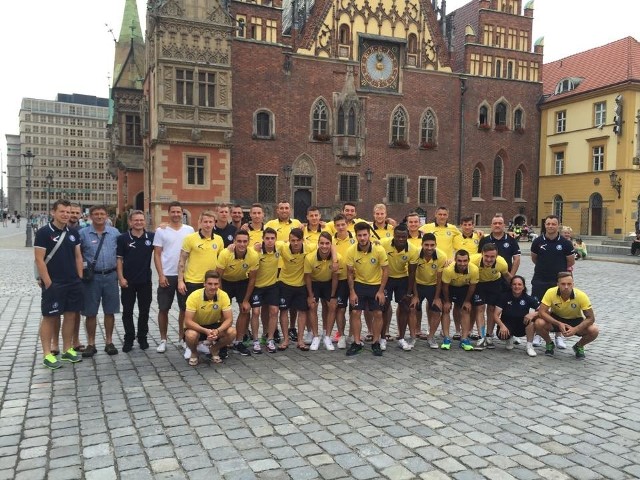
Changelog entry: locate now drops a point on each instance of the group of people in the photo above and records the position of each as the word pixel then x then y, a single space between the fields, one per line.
pixel 281 271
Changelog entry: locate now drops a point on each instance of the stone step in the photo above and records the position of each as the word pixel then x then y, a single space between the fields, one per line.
pixel 619 243
pixel 608 249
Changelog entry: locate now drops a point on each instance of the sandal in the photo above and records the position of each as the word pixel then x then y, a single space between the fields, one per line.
pixel 368 338
pixel 303 347
pixel 193 361
pixel 79 348
pixel 216 359
pixel 283 346
pixel 422 336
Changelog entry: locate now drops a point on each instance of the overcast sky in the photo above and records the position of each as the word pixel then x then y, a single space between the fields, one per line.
pixel 64 45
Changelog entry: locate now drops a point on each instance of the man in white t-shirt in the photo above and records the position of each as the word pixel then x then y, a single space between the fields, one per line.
pixel 167 245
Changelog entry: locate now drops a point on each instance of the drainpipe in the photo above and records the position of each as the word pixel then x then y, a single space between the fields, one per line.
pixel 463 89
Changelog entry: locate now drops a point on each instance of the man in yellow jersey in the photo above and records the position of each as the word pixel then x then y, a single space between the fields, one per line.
pixel 349 212
pixel 413 227
pixel 343 239
pixel 469 238
pixel 313 227
pixel 431 263
pixel 208 319
pixel 321 281
pixel 459 282
pixel 493 272
pixel 266 293
pixel 445 232
pixel 199 254
pixel 367 268
pixel 256 226
pixel 567 310
pixel 403 260
pixel 283 223
pixel 382 226
pixel 238 269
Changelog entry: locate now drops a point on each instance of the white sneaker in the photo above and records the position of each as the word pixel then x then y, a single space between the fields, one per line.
pixel 489 342
pixel 509 343
pixel 187 353
pixel 383 344
pixel 411 342
pixel 517 341
pixel 402 343
pixel 328 344
pixel 342 342
pixel 162 347
pixel 537 341
pixel 481 344
pixel 433 343
pixel 257 348
pixel 530 350
pixel 315 343
pixel 307 337
pixel 183 344
pixel 560 342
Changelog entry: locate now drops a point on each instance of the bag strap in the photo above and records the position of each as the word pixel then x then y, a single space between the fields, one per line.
pixel 56 247
pixel 95 258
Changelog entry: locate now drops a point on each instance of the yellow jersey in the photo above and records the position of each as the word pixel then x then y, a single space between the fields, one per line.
pixel 283 229
pixel 416 241
pixel 208 312
pixel 292 265
pixel 236 269
pixel 492 272
pixel 255 235
pixel 455 279
pixel 428 268
pixel 368 264
pixel 330 226
pixel 569 309
pixel 470 244
pixel 203 255
pixel 380 233
pixel 268 268
pixel 445 236
pixel 399 261
pixel 311 236
pixel 319 269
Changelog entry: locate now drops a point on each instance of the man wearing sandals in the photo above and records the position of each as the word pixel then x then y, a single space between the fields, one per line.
pixel 208 319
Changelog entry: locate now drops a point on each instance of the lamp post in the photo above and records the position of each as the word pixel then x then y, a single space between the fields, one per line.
pixel 28 163
pixel 287 169
pixel 616 183
pixel 49 185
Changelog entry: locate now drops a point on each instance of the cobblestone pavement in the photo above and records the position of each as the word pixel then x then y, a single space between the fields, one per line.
pixel 420 414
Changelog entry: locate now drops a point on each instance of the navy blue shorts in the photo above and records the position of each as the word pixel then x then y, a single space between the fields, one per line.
pixel 294 298
pixel 458 294
pixel 342 293
pixel 60 298
pixel 427 292
pixel 321 290
pixel 396 288
pixel 366 297
pixel 488 293
pixel 235 290
pixel 262 296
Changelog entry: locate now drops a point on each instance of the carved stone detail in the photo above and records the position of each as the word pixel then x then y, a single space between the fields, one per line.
pixel 304 165
pixel 168 83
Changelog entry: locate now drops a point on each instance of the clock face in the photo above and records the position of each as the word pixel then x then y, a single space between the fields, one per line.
pixel 379 67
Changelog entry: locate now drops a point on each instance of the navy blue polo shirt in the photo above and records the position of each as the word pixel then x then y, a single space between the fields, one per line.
pixel 62 266
pixel 552 257
pixel 517 308
pixel 227 233
pixel 507 246
pixel 136 256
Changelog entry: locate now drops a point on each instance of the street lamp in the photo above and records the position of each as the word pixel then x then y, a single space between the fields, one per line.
pixel 368 173
pixel 287 169
pixel 616 183
pixel 28 163
pixel 49 185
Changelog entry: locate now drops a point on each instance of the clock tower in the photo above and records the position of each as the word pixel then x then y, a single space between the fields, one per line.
pixel 379 65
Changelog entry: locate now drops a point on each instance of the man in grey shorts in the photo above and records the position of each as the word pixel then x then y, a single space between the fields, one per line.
pixel 167 245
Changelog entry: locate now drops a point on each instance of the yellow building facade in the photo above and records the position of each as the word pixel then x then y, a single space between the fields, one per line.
pixel 589 153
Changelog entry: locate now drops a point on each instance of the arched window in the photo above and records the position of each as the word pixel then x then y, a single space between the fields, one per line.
pixel 483 115
pixel 498 68
pixel 501 114
pixel 476 179
pixel 509 69
pixel 497 177
pixel 518 189
pixel 351 125
pixel 399 126
pixel 320 121
pixel 428 130
pixel 558 204
pixel 518 123
pixel 263 124
pixel 344 35
pixel 341 130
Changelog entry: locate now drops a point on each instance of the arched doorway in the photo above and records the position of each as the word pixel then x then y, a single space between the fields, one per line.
pixel 301 202
pixel 596 214
pixel 303 183
pixel 139 201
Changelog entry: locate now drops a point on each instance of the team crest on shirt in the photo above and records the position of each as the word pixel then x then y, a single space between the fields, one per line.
pixel 72 238
pixel 558 247
pixel 493 271
pixel 404 258
pixel 448 233
pixel 476 242
pixel 147 242
pixel 229 237
pixel 215 247
pixel 245 266
pixel 352 241
pixel 573 305
pixel 434 266
pixel 373 260
pixel 505 244
pixel 522 302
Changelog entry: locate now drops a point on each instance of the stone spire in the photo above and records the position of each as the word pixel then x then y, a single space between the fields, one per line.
pixel 128 67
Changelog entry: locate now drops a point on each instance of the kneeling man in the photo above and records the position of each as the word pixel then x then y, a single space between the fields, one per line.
pixel 208 319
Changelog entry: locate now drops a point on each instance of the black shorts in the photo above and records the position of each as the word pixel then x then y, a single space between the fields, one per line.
pixel 515 325
pixel 488 293
pixel 342 293
pixel 427 292
pixel 265 296
pixel 396 288
pixel 572 322
pixel 201 336
pixel 60 298
pixel 293 298
pixel 539 288
pixel 235 290
pixel 166 295
pixel 321 290
pixel 458 294
pixel 366 297
pixel 182 299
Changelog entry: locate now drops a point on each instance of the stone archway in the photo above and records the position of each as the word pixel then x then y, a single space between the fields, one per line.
pixel 596 215
pixel 303 181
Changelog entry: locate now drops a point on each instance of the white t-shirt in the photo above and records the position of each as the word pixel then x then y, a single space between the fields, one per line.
pixel 171 242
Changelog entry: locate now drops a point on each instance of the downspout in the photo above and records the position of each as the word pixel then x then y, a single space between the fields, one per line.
pixel 463 89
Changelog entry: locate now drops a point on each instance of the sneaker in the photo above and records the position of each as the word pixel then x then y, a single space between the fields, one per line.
pixel 531 351
pixel 144 345
pixel 481 344
pixel 315 343
pixel 354 349
pixel 271 346
pixel 383 344
pixel 187 353
pixel 579 350
pixel 50 361
pixel 307 338
pixel 242 349
pixel 276 336
pixel 328 344
pixel 508 344
pixel 466 345
pixel 293 334
pixel 474 336
pixel 489 342
pixel 71 356
pixel 257 348
pixel 446 343
pixel 549 348
pixel 224 353
pixel 376 348
pixel 560 342
pixel 537 341
pixel 411 342
pixel 110 349
pixel 162 347
pixel 89 351
pixel 456 336
pixel 183 344
pixel 336 337
pixel 342 342
pixel 402 343
pixel 517 341
pixel 433 343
